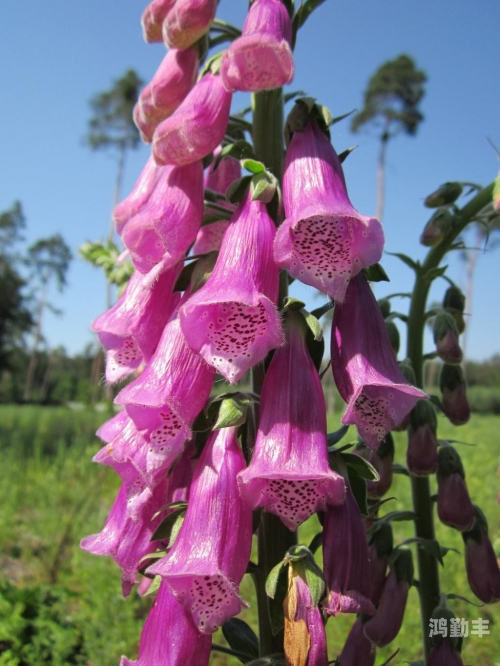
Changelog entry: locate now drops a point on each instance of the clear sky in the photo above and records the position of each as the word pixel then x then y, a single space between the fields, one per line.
pixel 55 55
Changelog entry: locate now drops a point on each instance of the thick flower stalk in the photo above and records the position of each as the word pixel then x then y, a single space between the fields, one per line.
pixel 131 329
pixel 261 59
pixel 187 21
pixel 364 367
pixel 454 505
pixel 422 453
pixel 139 195
pixel 289 474
pixel 169 636
pixel 198 125
pixel 323 241
pixel 167 397
pixel 160 234
pixel 211 552
pixel 345 559
pixel 481 565
pixel 358 649
pixel 232 320
pixel 167 89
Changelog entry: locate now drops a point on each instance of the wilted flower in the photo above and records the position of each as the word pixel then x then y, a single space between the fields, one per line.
pixel 481 565
pixel 364 367
pixel 289 473
pixel 169 636
pixel 261 59
pixel 210 554
pixel 232 320
pixel 187 21
pixel 421 454
pixel 454 506
pixel 198 125
pixel 358 650
pixel 454 394
pixel 324 241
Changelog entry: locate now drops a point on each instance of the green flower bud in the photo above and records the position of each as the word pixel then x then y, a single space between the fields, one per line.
pixel 445 195
pixel 437 228
pixel 393 333
pixel 385 307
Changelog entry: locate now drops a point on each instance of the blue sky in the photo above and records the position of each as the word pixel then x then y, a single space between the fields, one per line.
pixel 55 55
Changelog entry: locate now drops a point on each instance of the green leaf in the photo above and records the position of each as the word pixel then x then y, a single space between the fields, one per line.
pixel 446 549
pixel 315 582
pixel 390 658
pixel 304 11
pixel 154 587
pixel 276 589
pixel 240 150
pixel 241 638
pixel 263 187
pixel 393 516
pixel 430 545
pixel 238 189
pixel 316 542
pixel 273 579
pixel 184 278
pixel 232 412
pixel 335 437
pixel 253 166
pixel 397 468
pixel 164 530
pixel 202 270
pixel 361 466
pixel 457 596
pixel 415 265
pixel 292 303
pixel 319 312
pixel 345 153
pixel 314 326
pixel 358 487
pixel 434 273
pixel 376 273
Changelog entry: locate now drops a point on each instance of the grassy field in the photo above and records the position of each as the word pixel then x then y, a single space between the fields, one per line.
pixel 59 605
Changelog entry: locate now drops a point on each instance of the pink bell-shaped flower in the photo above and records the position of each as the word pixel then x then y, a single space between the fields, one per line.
pixel 131 329
pixel 289 473
pixel 169 86
pixel 167 397
pixel 152 19
pixel 261 59
pixel 187 21
pixel 358 650
pixel 139 196
pixel 210 554
pixel 323 241
pixel 483 573
pixel 169 636
pixel 232 320
pixel 422 453
pixel 197 126
pixel 454 506
pixel 364 367
pixel 163 230
pixel 345 560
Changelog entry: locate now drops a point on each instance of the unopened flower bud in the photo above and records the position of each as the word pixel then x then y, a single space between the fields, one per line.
pixel 358 649
pixel 481 565
pixel 454 394
pixel 187 21
pixel 385 307
pixel 436 228
pixel 421 455
pixel 152 19
pixel 445 195
pixel 379 549
pixel 446 339
pixel 454 304
pixel 444 655
pixel 454 506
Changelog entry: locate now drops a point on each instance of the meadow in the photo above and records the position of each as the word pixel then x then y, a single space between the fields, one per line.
pixel 59 605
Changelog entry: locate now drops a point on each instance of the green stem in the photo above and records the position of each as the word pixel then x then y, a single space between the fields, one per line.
pixel 274 539
pixel 422 505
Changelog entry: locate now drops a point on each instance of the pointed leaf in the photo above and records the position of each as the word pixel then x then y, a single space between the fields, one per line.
pixel 430 545
pixel 154 587
pixel 241 638
pixel 361 467
pixel 273 579
pixel 358 487
pixel 253 166
pixel 232 412
pixel 314 326
pixel 457 596
pixel 335 437
pixel 165 529
pixel 376 273
pixel 237 190
pixel 397 468
pixel 390 658
pixel 406 260
pixel 345 153
pixel 316 542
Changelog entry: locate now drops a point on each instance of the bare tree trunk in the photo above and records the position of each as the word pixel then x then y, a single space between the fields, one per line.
pixel 33 362
pixel 381 175
pixel 46 378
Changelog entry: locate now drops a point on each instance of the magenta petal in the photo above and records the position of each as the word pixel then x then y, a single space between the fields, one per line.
pixel 209 238
pixel 307 612
pixel 383 628
pixel 364 367
pixel 444 655
pixel 232 321
pixel 358 650
pixel 324 241
pixel 197 127
pixel 219 179
pixel 261 59
pixel 169 637
pixel 153 17
pixel 131 329
pixel 454 505
pixel 289 473
pixel 345 560
pixel 187 21
pixel 139 196
pixel 211 552
pixel 483 573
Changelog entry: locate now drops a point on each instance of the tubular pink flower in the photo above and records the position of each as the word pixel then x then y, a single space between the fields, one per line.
pixel 152 19
pixel 131 329
pixel 364 367
pixel 358 650
pixel 232 321
pixel 261 59
pixel 169 86
pixel 139 196
pixel 444 655
pixel 483 573
pixel 323 241
pixel 289 473
pixel 169 636
pixel 198 125
pixel 167 397
pixel 210 554
pixel 165 228
pixel 209 238
pixel 345 560
pixel 187 21
pixel 127 540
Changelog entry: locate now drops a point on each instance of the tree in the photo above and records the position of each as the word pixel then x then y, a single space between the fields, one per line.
pixel 48 260
pixel 391 103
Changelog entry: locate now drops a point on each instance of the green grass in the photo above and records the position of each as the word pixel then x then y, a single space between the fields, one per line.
pixel 52 496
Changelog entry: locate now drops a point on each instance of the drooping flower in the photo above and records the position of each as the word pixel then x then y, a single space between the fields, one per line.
pixel 131 329
pixel 384 626
pixel 210 554
pixel 261 59
pixel 139 196
pixel 345 559
pixel 454 394
pixel 169 636
pixel 187 21
pixel 323 241
pixel 167 397
pixel 483 573
pixel 358 649
pixel 422 454
pixel 232 321
pixel 289 474
pixel 152 19
pixel 169 86
pixel 444 655
pixel 454 506
pixel 364 367
pixel 446 339
pixel 162 231
pixel 197 126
